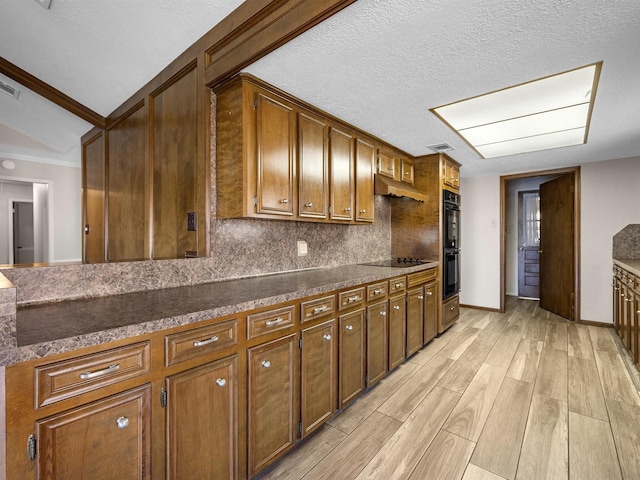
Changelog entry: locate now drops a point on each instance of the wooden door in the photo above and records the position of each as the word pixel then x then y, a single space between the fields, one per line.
pixel 342 174
pixel 351 359
pixel 93 194
pixel 557 291
pixel 272 405
pixel 431 310
pixel 275 144
pixel 313 169
pixel 365 160
pixel 529 244
pixel 415 320
pixel 110 438
pixel 202 422
pixel 377 342
pixel 397 330
pixel 319 372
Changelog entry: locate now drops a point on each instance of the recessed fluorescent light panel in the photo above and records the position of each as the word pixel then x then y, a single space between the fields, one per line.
pixel 550 112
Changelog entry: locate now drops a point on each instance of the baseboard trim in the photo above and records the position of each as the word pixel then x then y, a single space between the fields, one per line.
pixel 476 307
pixel 595 324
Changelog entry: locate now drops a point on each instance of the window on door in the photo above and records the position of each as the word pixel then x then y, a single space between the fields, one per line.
pixel 530 219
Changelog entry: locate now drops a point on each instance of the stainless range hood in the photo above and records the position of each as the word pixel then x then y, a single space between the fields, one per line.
pixel 395 188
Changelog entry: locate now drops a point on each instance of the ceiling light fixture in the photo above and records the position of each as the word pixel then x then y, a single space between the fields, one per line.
pixel 9 90
pixel 550 112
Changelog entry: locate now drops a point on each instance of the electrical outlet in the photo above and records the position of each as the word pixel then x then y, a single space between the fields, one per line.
pixel 302 248
pixel 192 221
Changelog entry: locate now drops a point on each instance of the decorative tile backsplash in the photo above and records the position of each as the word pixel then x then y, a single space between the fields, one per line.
pixel 626 243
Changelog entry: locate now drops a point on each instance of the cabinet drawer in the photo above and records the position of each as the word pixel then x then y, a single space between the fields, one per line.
pixel 200 341
pixel 270 321
pixel 397 284
pixel 350 298
pixel 68 378
pixel 424 276
pixel 317 308
pixel 451 311
pixel 377 290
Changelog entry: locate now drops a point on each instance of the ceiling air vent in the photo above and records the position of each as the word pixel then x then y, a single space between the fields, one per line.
pixel 440 147
pixel 9 90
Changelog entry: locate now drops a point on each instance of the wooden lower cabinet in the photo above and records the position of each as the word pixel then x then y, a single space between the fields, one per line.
pixel 450 311
pixel 352 356
pixel 319 373
pixel 397 330
pixel 272 402
pixel 415 319
pixel 202 422
pixel 110 438
pixel 626 310
pixel 377 342
pixel 431 306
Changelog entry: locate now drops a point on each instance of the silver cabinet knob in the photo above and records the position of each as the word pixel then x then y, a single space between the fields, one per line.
pixel 390 168
pixel 420 297
pixel 383 313
pixel 122 422
pixel 265 363
pixel 429 293
pixel 308 204
pixel 452 308
pixel 326 336
pixel 347 209
pixel 363 211
pixel 396 307
pixel 221 382
pixel 284 200
pixel 349 327
pixel 628 299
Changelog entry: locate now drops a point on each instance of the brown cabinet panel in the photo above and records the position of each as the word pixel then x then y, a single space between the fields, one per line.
pixel 270 321
pixel 319 373
pixel 397 330
pixel 377 290
pixel 377 342
pixel 350 298
pixel 94 190
pixel 313 171
pixel 415 320
pixel 406 166
pixel 430 312
pixel 275 132
pixel 202 422
pixel 342 175
pixel 312 309
pixel 106 439
pixel 387 165
pixel 352 356
pixel 272 406
pixel 174 130
pixel 450 311
pixel 128 183
pixel 197 342
pixel 365 161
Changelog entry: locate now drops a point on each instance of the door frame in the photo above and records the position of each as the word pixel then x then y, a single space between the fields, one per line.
pixel 575 171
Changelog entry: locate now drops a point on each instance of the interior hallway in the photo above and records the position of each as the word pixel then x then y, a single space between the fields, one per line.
pixel 520 395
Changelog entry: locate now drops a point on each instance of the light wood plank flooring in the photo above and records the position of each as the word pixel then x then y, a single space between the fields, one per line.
pixel 521 395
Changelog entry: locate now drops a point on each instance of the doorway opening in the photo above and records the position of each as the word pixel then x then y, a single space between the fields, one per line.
pixel 528 255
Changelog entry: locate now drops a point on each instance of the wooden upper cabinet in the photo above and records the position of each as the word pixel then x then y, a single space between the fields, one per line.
pixel 94 189
pixel 387 164
pixel 313 171
pixel 365 162
pixel 451 173
pixel 275 127
pixel 406 169
pixel 341 162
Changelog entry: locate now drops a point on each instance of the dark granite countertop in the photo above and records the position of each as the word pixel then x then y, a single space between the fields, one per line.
pixel 54 328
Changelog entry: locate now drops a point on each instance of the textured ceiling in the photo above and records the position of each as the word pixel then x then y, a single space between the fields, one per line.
pixel 378 64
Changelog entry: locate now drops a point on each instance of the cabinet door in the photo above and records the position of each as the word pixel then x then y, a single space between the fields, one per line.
pixel 415 319
pixel 615 295
pixel 202 422
pixel 342 166
pixel 633 326
pixel 272 401
pixel 93 196
pixel 430 312
pixel 313 166
pixel 274 143
pixel 319 364
pixel 387 165
pixel 406 167
pixel 351 359
pixel 397 330
pixel 107 439
pixel 365 159
pixel 377 342
pixel 622 307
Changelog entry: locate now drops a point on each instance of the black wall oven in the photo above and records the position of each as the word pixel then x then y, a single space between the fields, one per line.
pixel 451 243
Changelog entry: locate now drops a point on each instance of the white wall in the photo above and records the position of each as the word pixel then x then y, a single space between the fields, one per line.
pixel 480 232
pixel 610 200
pixel 65 187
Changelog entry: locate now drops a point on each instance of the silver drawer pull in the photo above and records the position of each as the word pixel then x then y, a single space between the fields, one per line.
pixel 326 336
pixel 270 323
pixel 98 373
pixel 398 285
pixel 628 299
pixel 122 422
pixel 349 327
pixel 221 382
pixel 452 308
pixel 321 309
pixel 284 201
pixel 622 294
pixel 308 204
pixel 265 363
pixel 429 293
pixel 420 297
pixel 353 299
pixel 377 291
pixel 202 343
pixel 396 307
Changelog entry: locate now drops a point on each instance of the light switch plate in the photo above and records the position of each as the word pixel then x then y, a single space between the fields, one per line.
pixel 302 248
